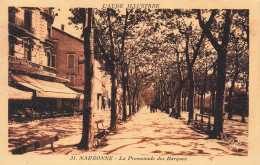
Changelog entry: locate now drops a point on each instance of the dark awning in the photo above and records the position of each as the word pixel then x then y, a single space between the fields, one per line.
pixel 46 88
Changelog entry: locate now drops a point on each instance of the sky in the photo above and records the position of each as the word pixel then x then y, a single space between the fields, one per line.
pixel 62 18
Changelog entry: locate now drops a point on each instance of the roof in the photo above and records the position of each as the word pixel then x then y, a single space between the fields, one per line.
pixel 67 34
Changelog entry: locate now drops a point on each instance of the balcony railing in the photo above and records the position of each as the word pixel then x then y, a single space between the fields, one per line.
pixel 50 14
pixel 48 40
pixel 28 66
pixel 31 66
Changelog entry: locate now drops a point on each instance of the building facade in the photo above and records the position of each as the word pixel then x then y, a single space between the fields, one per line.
pixel 69 52
pixel 34 81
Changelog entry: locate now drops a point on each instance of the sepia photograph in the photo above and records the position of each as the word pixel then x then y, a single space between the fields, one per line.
pixel 123 83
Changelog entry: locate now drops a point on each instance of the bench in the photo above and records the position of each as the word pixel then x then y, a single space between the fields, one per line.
pixel 23 115
pixel 53 114
pixel 78 112
pixel 200 124
pixel 173 112
pixel 101 131
pixel 33 146
pixel 208 111
pixel 120 121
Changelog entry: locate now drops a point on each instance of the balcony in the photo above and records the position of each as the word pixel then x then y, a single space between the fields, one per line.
pixel 49 13
pixel 23 64
pixel 20 23
pixel 48 40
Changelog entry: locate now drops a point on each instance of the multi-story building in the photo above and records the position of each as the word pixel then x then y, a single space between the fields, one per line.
pixel 69 52
pixel 33 77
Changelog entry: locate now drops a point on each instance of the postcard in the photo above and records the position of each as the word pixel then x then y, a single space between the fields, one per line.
pixel 132 82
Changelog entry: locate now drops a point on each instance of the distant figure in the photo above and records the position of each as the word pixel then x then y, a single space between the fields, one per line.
pixel 172 114
pixel 120 109
pixel 152 110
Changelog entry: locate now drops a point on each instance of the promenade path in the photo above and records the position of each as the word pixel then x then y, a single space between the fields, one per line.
pixel 147 134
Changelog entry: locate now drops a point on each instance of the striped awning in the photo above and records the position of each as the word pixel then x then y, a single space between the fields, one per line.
pixel 46 88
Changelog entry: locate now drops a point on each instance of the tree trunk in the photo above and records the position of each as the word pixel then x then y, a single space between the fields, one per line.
pixel 182 103
pixel 124 93
pixel 185 103
pixel 128 91
pixel 129 105
pixel 161 99
pixel 245 106
pixel 138 102
pixel 210 101
pixel 201 103
pixel 198 101
pixel 219 108
pixel 191 82
pixel 124 67
pixel 229 105
pixel 133 103
pixel 190 97
pixel 113 126
pixel 204 100
pixel 178 114
pixel 243 120
pixel 194 99
pixel 87 139
pixel 221 68
pixel 213 101
pixel 166 102
pixel 230 93
pixel 179 88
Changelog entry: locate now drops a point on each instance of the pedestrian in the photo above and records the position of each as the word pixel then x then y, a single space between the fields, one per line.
pixel 172 114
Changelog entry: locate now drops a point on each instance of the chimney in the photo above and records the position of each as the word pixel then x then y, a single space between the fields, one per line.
pixel 62 27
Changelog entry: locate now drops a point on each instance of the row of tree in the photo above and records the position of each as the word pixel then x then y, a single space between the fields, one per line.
pixel 161 56
pixel 211 51
pixel 106 35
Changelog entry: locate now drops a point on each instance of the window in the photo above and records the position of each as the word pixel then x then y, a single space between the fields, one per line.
pixel 49 33
pixel 48 59
pixel 11 11
pixel 55 45
pixel 70 60
pixel 53 60
pixel 28 19
pixel 28 53
pixel 11 48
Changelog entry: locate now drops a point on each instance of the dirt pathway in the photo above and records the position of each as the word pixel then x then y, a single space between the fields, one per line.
pixel 147 134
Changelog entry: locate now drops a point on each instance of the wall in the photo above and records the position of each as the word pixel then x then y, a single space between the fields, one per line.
pixel 39 24
pixel 66 45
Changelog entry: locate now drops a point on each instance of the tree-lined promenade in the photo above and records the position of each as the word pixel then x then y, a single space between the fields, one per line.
pixel 165 58
pixel 143 135
pixel 188 65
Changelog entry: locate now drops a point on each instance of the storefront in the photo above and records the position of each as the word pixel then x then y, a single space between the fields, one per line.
pixel 47 96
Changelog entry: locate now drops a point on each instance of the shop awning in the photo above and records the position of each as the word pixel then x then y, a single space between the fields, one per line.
pixel 16 94
pixel 46 88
